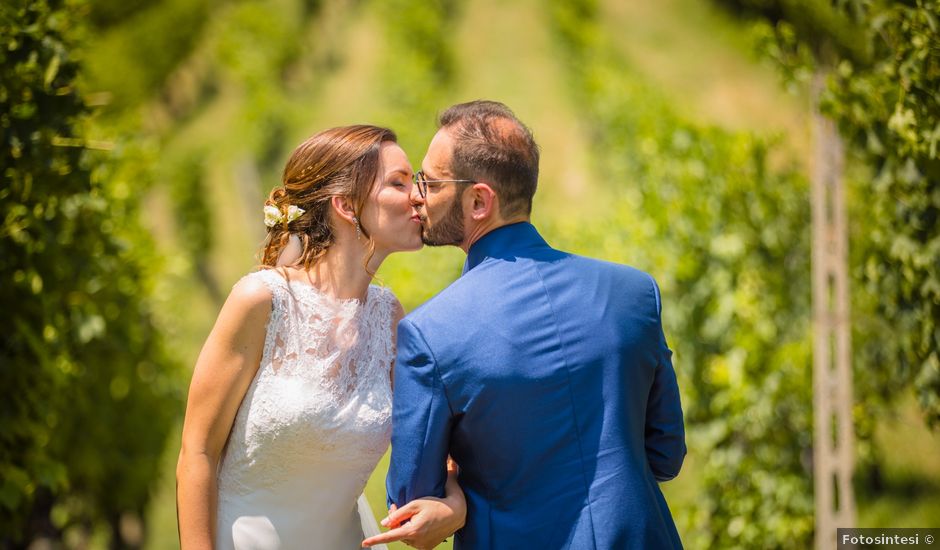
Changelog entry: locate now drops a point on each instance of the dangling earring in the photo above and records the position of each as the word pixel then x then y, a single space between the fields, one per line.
pixel 358 228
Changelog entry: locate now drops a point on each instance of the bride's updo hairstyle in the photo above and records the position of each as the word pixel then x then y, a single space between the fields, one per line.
pixel 340 162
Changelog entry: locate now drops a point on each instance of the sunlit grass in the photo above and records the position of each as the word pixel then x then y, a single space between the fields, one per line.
pixel 909 495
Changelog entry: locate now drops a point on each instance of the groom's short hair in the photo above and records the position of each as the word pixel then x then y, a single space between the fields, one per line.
pixel 492 145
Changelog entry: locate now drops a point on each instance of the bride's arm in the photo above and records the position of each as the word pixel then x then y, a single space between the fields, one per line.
pixel 223 372
pixel 429 520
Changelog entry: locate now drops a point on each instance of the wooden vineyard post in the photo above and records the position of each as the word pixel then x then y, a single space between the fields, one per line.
pixel 833 443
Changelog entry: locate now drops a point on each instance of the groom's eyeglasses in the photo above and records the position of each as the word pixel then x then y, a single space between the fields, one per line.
pixel 422 181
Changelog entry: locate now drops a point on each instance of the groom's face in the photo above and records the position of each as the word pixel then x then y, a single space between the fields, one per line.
pixel 442 209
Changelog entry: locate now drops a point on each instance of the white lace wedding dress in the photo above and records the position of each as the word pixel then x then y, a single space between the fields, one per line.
pixel 313 425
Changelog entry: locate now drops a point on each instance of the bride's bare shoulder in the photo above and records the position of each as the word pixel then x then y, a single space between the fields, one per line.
pixel 253 291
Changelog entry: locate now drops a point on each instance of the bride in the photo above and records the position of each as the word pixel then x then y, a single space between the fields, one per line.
pixel 289 409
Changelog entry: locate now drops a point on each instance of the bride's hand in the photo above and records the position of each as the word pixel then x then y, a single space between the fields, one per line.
pixel 429 520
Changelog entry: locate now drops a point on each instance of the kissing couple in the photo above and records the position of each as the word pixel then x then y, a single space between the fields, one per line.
pixel 530 404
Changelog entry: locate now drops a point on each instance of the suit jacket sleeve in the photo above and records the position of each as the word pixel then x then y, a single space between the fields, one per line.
pixel 665 432
pixel 421 422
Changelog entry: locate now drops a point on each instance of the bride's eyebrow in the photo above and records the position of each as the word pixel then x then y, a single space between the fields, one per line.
pixel 397 171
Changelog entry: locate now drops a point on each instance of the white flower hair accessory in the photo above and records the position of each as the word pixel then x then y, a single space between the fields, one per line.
pixel 273 215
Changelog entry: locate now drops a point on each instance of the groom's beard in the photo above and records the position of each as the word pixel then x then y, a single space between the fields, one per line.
pixel 447 231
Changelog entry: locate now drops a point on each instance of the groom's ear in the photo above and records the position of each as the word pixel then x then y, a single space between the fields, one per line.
pixel 343 209
pixel 483 201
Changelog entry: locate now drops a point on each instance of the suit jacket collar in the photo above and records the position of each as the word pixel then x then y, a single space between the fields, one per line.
pixel 502 242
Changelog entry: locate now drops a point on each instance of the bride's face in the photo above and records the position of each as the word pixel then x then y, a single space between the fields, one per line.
pixel 389 214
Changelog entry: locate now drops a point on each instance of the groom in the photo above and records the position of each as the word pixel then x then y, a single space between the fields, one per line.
pixel 545 375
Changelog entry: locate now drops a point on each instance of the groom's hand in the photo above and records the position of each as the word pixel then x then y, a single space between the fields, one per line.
pixel 422 523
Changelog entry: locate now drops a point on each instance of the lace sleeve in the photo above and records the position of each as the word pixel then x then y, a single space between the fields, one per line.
pixel 389 301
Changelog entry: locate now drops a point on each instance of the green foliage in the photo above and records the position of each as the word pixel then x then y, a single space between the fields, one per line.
pixel 130 61
pixel 828 30
pixel 888 110
pixel 90 389
pixel 253 43
pixel 193 215
pixel 889 113
pixel 108 13
pixel 242 55
pixel 725 230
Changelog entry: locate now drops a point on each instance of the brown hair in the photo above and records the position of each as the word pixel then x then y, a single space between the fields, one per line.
pixel 341 161
pixel 492 145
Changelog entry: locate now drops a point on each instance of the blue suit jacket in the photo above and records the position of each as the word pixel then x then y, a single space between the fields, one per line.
pixel 547 377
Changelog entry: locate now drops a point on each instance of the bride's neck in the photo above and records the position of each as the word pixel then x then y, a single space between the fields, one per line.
pixel 341 271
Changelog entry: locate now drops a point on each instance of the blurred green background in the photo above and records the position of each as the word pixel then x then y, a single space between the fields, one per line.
pixel 140 138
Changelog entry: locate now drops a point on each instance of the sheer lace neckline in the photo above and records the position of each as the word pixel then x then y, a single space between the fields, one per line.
pixel 293 283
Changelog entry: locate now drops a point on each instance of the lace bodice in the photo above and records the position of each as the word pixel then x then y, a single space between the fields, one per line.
pixel 316 419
